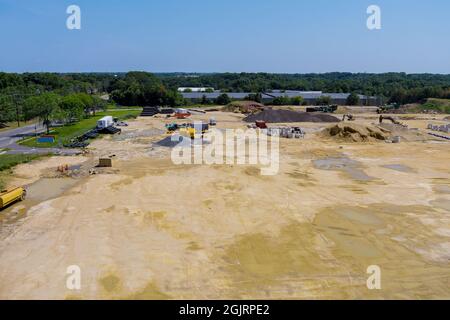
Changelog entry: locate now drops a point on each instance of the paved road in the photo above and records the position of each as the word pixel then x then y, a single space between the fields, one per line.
pixel 9 139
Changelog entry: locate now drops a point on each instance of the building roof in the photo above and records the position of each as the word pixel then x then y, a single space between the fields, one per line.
pixel 270 95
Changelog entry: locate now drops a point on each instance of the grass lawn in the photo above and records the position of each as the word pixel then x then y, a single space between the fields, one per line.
pixel 67 133
pixel 8 161
pixel 440 105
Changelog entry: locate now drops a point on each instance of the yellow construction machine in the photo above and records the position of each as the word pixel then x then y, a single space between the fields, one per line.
pixel 12 195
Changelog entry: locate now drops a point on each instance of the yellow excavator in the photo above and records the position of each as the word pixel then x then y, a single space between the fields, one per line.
pixel 191 129
pixel 12 195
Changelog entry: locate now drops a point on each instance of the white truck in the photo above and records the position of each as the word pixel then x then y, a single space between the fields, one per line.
pixel 105 122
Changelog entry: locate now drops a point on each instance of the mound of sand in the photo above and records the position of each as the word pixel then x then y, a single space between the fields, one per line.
pixel 244 107
pixel 286 116
pixel 355 132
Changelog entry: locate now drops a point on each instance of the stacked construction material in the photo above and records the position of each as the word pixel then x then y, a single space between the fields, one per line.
pixel 105 163
pixel 149 111
pixel 110 130
pixel 441 128
pixel 286 132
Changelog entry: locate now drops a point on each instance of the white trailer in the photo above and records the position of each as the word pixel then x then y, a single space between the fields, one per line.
pixel 105 122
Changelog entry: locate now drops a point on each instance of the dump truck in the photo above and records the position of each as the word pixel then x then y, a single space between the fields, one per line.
pixel 12 195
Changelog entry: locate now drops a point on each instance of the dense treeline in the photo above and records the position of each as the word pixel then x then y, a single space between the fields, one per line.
pixel 18 92
pixel 142 88
pixel 50 97
pixel 396 87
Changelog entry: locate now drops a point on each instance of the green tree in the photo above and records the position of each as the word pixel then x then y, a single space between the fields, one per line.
pixel 43 107
pixel 257 97
pixel 173 99
pixel 205 100
pixel 88 102
pixel 297 101
pixel 99 104
pixel 281 101
pixel 353 99
pixel 139 88
pixel 6 110
pixel 73 106
pixel 223 99
pixel 323 101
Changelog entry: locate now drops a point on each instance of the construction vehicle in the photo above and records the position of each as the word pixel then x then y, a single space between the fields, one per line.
pixel 388 118
pixel 388 108
pixel 190 129
pixel 326 109
pixel 172 127
pixel 182 113
pixel 261 124
pixel 349 117
pixel 105 122
pixel 10 196
pixel 392 120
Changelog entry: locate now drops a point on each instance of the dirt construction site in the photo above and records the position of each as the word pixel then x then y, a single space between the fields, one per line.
pixel 347 196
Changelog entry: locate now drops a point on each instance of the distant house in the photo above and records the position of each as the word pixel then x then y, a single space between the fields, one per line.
pixel 309 96
pixel 194 89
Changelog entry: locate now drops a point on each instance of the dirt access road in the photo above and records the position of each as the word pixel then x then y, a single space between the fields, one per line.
pixel 149 229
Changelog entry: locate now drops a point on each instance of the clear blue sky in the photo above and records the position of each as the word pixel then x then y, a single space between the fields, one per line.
pixel 225 35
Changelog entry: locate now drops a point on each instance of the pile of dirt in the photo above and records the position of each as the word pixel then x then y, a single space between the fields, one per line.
pixel 244 107
pixel 355 133
pixel 286 116
pixel 173 141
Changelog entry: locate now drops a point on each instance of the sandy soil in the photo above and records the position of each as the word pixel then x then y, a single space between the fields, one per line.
pixel 149 229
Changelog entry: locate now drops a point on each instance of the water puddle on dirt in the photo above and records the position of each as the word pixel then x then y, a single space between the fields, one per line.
pixel 346 226
pixel 443 204
pixel 337 247
pixel 40 191
pixel 442 189
pixel 350 167
pixel 47 189
pixel 399 167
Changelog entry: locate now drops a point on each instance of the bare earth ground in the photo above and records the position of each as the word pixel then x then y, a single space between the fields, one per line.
pixel 149 229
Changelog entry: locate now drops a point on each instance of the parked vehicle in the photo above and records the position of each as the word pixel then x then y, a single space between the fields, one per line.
pixel 105 122
pixel 9 196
